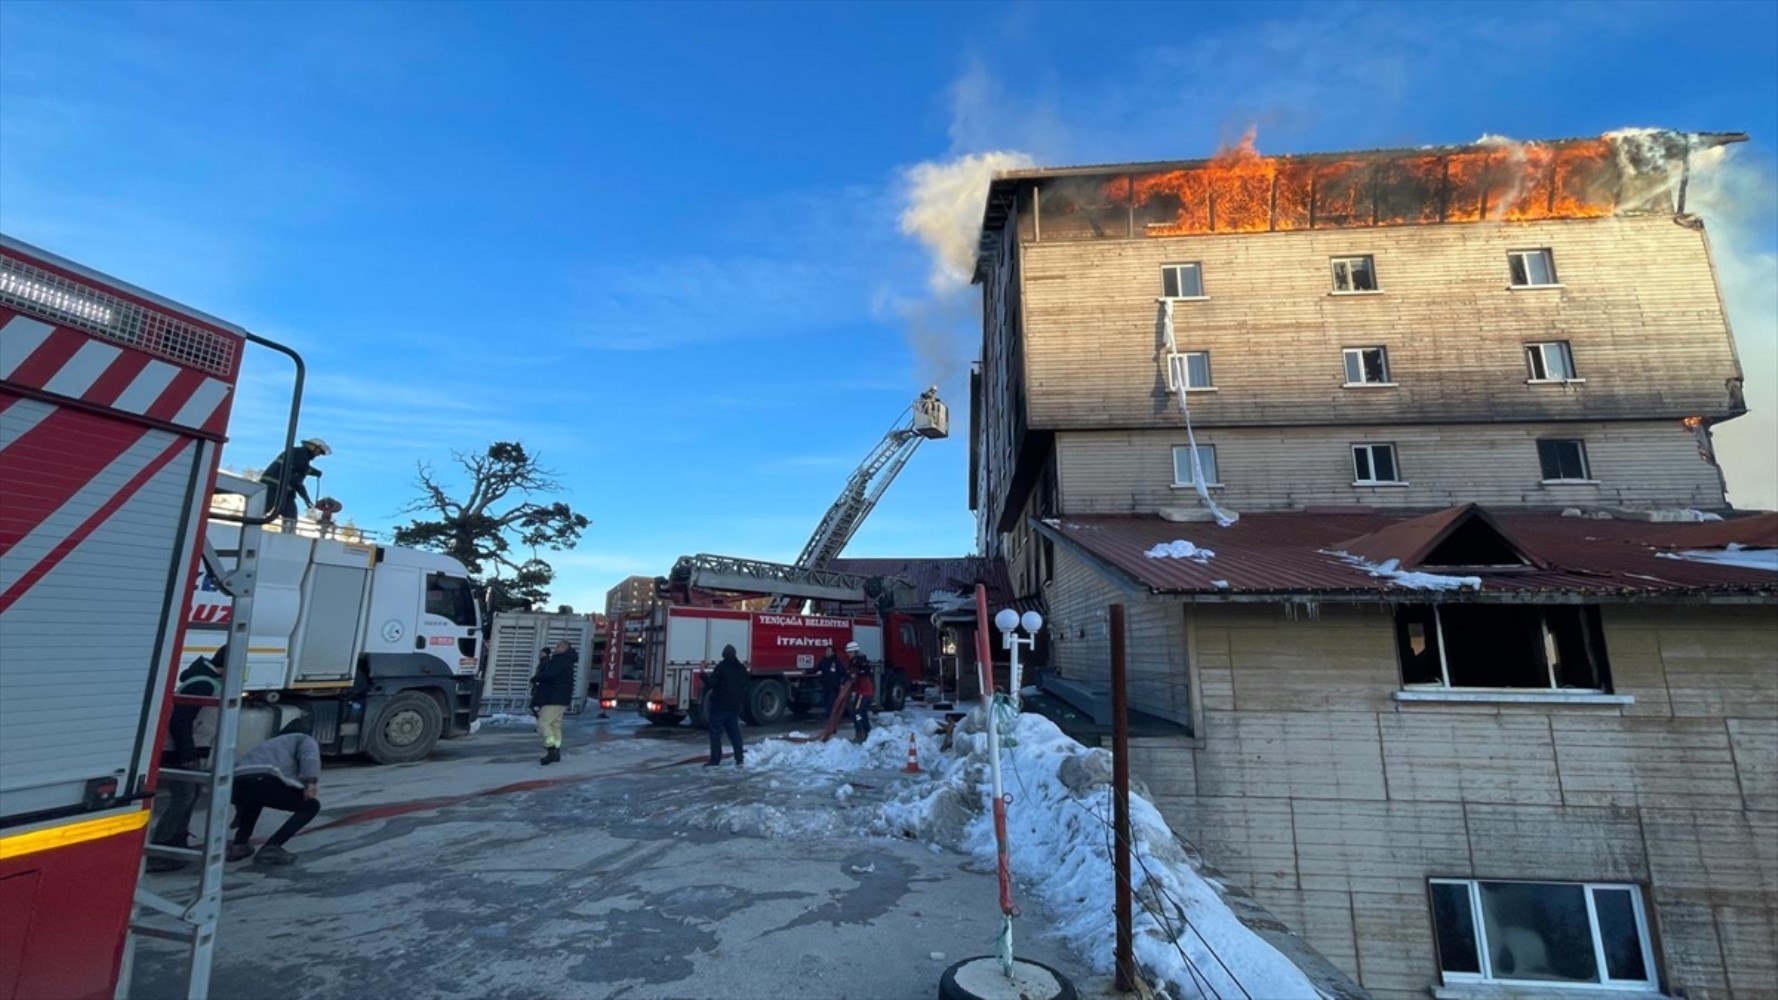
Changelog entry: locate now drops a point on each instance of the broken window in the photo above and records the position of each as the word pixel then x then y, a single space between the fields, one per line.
pixel 1367 366
pixel 1550 362
pixel 1531 268
pixel 1374 463
pixel 1542 932
pixel 1563 460
pixel 1182 281
pixel 1190 369
pixel 1494 646
pixel 1182 465
pixel 1354 274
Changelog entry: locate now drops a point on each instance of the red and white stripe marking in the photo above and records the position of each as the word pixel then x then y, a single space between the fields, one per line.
pixel 76 365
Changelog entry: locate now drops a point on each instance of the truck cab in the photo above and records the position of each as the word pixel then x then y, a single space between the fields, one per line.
pixel 373 648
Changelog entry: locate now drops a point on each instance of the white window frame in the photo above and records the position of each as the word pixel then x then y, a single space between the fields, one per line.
pixel 1541 350
pixel 1347 353
pixel 1370 447
pixel 1525 257
pixel 1194 265
pixel 1179 364
pixel 1586 463
pixel 1370 264
pixel 1638 907
pixel 1213 481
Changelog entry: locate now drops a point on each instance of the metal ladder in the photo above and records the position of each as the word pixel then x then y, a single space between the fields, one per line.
pixel 193 920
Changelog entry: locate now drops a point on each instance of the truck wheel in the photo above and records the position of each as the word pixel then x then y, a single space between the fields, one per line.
pixel 406 730
pixel 767 701
pixel 663 718
pixel 895 692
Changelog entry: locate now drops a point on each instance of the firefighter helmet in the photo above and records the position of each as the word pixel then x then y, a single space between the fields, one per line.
pixel 319 445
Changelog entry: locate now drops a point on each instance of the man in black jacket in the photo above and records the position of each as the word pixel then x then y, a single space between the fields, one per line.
pixel 293 467
pixel 831 673
pixel 725 691
pixel 552 689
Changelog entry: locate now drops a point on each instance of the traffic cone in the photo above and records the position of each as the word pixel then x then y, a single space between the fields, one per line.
pixel 913 758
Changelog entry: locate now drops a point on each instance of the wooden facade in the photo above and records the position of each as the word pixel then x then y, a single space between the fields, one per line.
pixel 1335 804
pixel 1302 774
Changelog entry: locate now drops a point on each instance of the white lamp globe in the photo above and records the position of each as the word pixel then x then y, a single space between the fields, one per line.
pixel 1006 620
pixel 1032 621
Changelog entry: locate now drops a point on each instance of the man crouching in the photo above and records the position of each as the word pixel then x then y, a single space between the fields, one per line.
pixel 283 773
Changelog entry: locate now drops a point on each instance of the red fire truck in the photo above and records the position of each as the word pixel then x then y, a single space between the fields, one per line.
pixel 655 659
pixel 113 406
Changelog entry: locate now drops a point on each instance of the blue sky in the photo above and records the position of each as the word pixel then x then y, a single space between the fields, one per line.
pixel 660 244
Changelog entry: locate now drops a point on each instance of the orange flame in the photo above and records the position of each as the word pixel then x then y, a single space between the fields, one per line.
pixel 1240 191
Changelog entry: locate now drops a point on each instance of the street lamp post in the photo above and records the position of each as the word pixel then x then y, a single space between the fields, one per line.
pixel 1008 622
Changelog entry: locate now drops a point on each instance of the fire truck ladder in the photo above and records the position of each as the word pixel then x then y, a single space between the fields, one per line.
pixel 927 418
pixel 195 918
pixel 710 572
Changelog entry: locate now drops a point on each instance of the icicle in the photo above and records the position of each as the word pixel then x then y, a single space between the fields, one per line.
pixel 1224 518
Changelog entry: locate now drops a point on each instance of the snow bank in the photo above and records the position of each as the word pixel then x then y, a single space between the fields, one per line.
pixel 505 719
pixel 1059 824
pixel 1733 555
pixel 1180 549
pixel 1391 569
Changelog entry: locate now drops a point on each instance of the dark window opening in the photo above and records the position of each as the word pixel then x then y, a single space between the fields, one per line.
pixel 450 597
pixel 1493 646
pixel 1474 543
pixel 1456 928
pixel 1563 459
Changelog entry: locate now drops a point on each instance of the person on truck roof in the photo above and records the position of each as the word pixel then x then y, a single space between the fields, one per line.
pixel 725 691
pixel 297 465
pixel 283 773
pixel 552 690
pixel 864 689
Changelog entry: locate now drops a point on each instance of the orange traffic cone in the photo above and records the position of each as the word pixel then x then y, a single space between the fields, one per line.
pixel 913 758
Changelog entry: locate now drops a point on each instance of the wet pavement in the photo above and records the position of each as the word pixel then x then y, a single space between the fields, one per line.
pixel 478 873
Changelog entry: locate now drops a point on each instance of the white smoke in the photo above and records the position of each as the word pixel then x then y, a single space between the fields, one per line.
pixel 945 199
pixel 1738 200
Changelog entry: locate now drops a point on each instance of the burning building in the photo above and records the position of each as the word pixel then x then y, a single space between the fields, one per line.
pixel 1384 454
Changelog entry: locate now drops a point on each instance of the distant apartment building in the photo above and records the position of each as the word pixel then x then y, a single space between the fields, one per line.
pixel 633 594
pixel 1465 693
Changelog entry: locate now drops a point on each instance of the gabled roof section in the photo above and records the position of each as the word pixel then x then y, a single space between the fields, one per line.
pixel 1458 536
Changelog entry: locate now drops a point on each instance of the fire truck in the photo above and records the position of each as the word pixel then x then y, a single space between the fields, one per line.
pixel 114 402
pixel 375 648
pixel 657 666
pixel 655 658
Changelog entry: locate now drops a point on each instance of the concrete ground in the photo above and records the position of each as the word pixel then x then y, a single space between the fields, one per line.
pixel 480 874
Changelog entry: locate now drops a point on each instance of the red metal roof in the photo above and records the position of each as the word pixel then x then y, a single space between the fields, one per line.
pixel 1290 555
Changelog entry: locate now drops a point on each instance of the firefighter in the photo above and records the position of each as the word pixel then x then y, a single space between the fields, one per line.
pixel 864 689
pixel 283 773
pixel 189 747
pixel 725 690
pixel 296 465
pixel 831 673
pixel 552 690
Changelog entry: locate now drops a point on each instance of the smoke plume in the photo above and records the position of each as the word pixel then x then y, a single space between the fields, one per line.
pixel 942 210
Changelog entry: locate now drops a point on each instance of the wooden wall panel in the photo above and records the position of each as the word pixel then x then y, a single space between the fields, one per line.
pixel 1470 759
pixel 1378 846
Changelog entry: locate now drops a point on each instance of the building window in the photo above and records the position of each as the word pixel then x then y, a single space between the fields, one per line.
pixel 1367 366
pixel 1373 464
pixel 1354 274
pixel 1182 465
pixel 1550 362
pixel 1563 460
pixel 1498 646
pixel 1190 369
pixel 1531 268
pixel 1542 932
pixel 1182 281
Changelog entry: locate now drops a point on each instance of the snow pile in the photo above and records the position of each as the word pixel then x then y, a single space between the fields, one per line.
pixel 1180 549
pixel 1391 569
pixel 506 719
pixel 1059 824
pixel 1732 555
